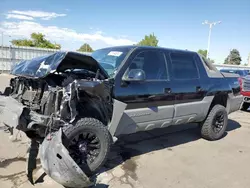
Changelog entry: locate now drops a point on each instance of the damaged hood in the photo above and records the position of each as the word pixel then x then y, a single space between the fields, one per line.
pixel 57 62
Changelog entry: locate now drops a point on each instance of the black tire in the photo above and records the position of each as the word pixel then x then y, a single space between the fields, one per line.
pixel 211 130
pixel 245 106
pixel 87 127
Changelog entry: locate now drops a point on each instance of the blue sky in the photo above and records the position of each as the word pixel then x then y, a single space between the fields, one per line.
pixel 177 24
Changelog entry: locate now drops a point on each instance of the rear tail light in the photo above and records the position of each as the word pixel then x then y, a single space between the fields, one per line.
pixel 240 81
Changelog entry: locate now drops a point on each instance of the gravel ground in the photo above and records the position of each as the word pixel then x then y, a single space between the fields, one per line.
pixel 173 157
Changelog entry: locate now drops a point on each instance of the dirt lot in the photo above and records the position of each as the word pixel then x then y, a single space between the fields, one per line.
pixel 174 157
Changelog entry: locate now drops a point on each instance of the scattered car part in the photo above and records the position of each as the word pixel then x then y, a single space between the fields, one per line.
pixel 61 167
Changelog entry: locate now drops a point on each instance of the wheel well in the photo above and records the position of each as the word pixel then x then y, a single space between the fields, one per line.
pixel 94 109
pixel 219 99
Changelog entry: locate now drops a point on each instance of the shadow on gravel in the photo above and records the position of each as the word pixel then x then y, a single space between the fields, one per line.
pixel 7 162
pixel 100 186
pixel 232 125
pixel 131 146
pixel 41 178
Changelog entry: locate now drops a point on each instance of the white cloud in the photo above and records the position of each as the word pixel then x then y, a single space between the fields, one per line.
pixel 37 14
pixel 20 17
pixel 54 33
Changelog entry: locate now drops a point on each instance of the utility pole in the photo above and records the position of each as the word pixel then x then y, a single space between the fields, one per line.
pixel 2 41
pixel 248 59
pixel 211 24
pixel 2 52
pixel 229 57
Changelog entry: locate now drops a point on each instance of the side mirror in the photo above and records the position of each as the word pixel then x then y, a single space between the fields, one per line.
pixel 135 75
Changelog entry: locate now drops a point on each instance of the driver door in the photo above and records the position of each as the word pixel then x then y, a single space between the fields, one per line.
pixel 150 103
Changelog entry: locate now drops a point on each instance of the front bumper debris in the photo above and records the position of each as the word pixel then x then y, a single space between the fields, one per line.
pixel 15 115
pixel 10 111
pixel 58 164
pixel 55 158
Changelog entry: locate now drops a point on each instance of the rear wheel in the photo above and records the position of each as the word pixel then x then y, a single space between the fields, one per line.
pixel 216 123
pixel 88 143
pixel 245 106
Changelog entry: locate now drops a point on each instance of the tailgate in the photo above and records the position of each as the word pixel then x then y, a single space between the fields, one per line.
pixel 246 84
pixel 233 80
pixel 230 75
pixel 235 98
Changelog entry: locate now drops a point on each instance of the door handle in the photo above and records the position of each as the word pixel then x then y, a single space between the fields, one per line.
pixel 167 90
pixel 151 96
pixel 198 89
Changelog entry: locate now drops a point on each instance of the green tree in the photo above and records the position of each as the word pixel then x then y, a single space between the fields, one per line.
pixel 37 40
pixel 233 58
pixel 149 40
pixel 203 52
pixel 211 60
pixel 23 42
pixel 85 48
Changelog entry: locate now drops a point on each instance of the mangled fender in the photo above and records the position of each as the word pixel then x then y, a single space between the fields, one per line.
pixel 10 111
pixel 15 115
pixel 55 158
pixel 118 112
pixel 58 164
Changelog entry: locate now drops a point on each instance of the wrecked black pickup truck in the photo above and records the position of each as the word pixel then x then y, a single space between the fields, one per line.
pixel 75 106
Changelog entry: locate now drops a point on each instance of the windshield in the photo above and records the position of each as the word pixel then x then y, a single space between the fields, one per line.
pixel 111 58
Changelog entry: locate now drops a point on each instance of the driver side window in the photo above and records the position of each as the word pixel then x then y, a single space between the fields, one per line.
pixel 152 63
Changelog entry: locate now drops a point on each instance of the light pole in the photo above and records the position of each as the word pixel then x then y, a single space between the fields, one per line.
pixel 211 24
pixel 2 41
pixel 2 53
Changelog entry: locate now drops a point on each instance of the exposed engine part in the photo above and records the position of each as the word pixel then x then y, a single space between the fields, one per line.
pixel 53 94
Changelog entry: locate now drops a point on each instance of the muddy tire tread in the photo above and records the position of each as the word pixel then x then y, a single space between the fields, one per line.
pixel 92 124
pixel 206 129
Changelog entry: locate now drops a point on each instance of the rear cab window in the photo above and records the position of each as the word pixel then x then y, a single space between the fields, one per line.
pixel 184 66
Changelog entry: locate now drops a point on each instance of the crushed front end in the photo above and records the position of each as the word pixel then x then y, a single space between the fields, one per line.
pixel 45 105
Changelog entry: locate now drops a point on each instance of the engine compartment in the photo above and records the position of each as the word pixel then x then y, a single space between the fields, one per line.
pixel 63 97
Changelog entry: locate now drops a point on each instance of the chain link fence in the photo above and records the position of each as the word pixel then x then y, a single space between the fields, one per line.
pixel 10 55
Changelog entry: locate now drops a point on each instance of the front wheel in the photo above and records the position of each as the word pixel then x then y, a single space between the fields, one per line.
pixel 216 123
pixel 88 143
